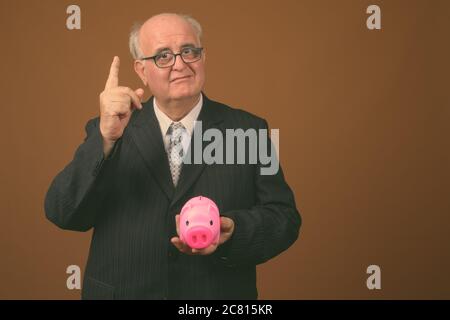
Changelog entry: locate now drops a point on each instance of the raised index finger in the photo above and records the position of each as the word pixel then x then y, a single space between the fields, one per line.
pixel 113 78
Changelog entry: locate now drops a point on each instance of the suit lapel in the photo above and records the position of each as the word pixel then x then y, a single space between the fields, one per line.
pixel 146 134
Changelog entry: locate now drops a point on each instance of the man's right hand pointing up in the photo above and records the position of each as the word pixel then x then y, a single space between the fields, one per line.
pixel 116 105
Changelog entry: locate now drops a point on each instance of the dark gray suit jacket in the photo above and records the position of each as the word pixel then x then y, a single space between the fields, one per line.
pixel 130 201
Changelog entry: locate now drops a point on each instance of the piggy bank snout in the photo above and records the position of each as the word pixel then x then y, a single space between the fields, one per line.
pixel 199 237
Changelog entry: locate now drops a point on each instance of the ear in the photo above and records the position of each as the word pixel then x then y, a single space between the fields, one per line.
pixel 139 67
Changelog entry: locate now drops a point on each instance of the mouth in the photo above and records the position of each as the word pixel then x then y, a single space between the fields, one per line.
pixel 180 79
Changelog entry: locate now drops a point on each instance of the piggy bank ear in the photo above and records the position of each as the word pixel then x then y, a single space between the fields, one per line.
pixel 185 208
pixel 212 208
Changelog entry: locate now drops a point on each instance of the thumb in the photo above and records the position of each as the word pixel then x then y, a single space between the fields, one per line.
pixel 139 92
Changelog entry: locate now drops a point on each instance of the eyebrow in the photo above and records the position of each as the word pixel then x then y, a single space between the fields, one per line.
pixel 186 45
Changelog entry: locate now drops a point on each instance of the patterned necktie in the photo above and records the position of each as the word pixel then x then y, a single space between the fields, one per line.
pixel 175 150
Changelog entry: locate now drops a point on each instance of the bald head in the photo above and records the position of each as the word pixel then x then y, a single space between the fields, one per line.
pixel 158 24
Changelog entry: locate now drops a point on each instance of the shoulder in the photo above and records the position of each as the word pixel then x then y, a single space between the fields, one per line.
pixel 236 117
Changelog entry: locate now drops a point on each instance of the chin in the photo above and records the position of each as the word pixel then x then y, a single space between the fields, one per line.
pixel 181 94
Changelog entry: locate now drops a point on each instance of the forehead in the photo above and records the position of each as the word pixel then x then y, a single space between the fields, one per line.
pixel 169 32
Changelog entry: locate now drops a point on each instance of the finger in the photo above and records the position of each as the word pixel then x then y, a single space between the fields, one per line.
pixel 180 245
pixel 134 97
pixel 140 93
pixel 120 98
pixel 222 238
pixel 226 223
pixel 177 222
pixel 119 105
pixel 118 109
pixel 113 78
pixel 177 243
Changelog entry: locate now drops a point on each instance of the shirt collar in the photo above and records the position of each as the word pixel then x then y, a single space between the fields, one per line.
pixel 187 121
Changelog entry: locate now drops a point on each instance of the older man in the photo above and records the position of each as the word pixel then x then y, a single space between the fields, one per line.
pixel 123 182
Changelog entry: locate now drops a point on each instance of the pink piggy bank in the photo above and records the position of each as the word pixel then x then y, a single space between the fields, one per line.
pixel 199 223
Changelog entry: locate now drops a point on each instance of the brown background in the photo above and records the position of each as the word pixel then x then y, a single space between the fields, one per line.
pixel 363 118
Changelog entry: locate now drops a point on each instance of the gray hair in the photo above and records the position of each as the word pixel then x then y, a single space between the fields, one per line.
pixel 135 47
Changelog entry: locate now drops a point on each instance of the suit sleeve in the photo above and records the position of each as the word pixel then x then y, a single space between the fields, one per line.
pixel 75 195
pixel 269 227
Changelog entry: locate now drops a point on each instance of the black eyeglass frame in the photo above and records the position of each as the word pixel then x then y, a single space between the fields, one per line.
pixel 199 50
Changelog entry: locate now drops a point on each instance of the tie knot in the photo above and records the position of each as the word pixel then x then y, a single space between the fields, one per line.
pixel 176 128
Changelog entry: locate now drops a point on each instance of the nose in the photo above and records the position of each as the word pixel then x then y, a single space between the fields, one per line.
pixel 199 237
pixel 179 63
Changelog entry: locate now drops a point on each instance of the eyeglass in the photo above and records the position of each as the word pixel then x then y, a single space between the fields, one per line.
pixel 167 59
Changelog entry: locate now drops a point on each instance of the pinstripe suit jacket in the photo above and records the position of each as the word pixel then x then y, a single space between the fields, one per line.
pixel 130 202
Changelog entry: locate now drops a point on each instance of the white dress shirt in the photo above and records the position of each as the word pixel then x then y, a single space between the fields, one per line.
pixel 188 122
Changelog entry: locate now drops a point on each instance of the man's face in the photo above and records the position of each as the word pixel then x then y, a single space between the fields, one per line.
pixel 170 33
